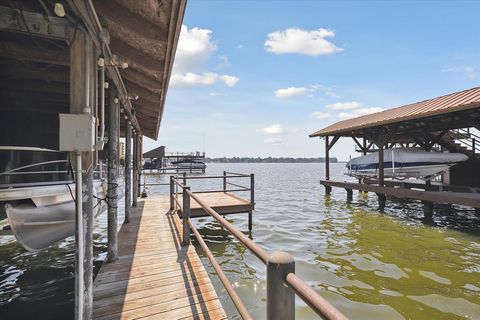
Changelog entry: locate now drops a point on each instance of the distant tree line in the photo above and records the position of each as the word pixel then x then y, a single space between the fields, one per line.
pixel 269 160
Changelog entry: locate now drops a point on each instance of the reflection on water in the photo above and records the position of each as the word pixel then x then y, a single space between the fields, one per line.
pixel 371 265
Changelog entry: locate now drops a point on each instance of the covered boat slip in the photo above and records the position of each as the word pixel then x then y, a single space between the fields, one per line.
pixel 448 123
pixel 76 77
pixel 154 276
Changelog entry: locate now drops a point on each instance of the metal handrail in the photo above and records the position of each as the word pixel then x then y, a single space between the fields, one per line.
pixel 315 301
pixel 246 241
pixel 237 185
pixel 237 301
pixel 212 177
pixel 31 172
pixel 318 304
pixel 237 174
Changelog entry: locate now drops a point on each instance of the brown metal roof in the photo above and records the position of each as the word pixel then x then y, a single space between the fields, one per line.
pixel 458 101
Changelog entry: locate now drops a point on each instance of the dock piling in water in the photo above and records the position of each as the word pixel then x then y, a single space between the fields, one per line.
pixel 113 114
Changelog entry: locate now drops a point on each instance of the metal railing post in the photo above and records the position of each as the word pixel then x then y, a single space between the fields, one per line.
pixel 280 297
pixel 186 216
pixel 172 191
pixel 184 178
pixel 252 200
pixel 224 181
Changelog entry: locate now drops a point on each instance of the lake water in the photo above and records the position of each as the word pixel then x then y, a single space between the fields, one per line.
pixel 371 265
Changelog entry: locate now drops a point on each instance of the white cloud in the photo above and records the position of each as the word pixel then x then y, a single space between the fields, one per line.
pixel 193 50
pixel 320 115
pixel 344 105
pixel 273 140
pixel 190 79
pixel 240 46
pixel 195 47
pixel 217 94
pixel 359 112
pixel 290 92
pixel 273 129
pixel 469 71
pixel 295 40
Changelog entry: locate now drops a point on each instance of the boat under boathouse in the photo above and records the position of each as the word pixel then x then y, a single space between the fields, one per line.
pixel 448 123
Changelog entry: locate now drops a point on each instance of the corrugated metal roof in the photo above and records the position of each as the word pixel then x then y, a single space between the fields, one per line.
pixel 463 100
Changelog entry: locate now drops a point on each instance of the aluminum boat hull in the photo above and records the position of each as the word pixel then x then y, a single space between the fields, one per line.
pixel 49 217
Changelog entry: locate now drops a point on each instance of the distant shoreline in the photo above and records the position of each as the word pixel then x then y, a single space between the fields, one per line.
pixel 269 160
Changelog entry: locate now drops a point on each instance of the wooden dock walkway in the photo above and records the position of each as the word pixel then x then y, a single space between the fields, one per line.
pixel 154 277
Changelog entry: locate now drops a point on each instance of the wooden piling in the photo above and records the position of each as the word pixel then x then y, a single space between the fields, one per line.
pixel 349 194
pixel 113 114
pixel 81 97
pixel 328 189
pixel 128 170
pixel 135 170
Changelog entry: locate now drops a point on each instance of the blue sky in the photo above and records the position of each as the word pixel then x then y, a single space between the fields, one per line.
pixel 254 78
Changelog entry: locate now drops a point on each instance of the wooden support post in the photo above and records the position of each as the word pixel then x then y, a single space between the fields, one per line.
pixel 184 174
pixel 381 201
pixel 349 195
pixel 224 181
pixel 186 216
pixel 81 97
pixel 113 164
pixel 172 191
pixel 381 166
pixel 128 170
pixel 252 200
pixel 365 148
pixel 139 163
pixel 135 170
pixel 328 189
pixel 428 209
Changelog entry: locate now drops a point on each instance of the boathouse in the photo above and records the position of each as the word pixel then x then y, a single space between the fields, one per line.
pixel 76 77
pixel 446 123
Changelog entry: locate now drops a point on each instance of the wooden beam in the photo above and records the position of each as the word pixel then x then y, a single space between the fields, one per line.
pixel 434 196
pixel 144 93
pixel 335 139
pixel 28 52
pixel 114 11
pixel 33 23
pixel 358 144
pixel 35 86
pixel 19 70
pixel 135 55
pixel 142 79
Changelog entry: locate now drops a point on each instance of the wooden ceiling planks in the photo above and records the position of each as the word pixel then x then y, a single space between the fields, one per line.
pixel 142 33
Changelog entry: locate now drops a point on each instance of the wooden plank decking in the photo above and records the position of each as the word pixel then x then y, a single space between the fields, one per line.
pixel 221 202
pixel 154 277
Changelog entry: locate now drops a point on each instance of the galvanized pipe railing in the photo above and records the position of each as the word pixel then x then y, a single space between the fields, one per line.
pixel 246 241
pixel 237 301
pixel 282 282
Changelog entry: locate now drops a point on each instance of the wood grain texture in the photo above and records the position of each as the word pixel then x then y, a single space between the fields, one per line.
pixel 154 276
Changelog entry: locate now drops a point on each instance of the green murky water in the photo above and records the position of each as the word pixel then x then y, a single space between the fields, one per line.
pixel 370 265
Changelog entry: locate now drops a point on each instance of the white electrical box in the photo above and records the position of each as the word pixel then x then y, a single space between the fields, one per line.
pixel 77 132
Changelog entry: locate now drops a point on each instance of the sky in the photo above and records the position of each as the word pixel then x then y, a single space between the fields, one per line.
pixel 255 78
